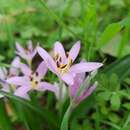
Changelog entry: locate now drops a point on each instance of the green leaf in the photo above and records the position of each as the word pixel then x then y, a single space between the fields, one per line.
pixel 104 96
pixel 127 106
pixel 113 117
pixel 120 67
pixel 41 112
pixel 125 22
pixel 114 82
pixel 5 123
pixel 75 125
pixel 110 31
pixel 126 128
pixel 115 101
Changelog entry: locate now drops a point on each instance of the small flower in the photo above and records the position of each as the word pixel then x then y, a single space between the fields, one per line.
pixel 81 89
pixel 62 63
pixel 4 73
pixel 31 81
pixel 26 54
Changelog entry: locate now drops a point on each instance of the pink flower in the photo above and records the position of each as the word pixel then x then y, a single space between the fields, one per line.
pixel 4 74
pixel 31 81
pixel 79 90
pixel 62 63
pixel 26 54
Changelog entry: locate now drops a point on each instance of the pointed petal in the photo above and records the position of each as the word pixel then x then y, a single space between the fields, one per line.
pixel 43 86
pixel 15 62
pixel 20 48
pixel 23 92
pixel 30 46
pixel 68 78
pixel 88 92
pixel 34 52
pixel 23 55
pixel 18 80
pixel 3 73
pixel 48 59
pixel 25 69
pixel 73 53
pixel 14 66
pixel 59 49
pixel 78 80
pixel 2 81
pixel 85 67
pixel 42 69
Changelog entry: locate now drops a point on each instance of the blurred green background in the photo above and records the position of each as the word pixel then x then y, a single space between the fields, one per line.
pixel 46 21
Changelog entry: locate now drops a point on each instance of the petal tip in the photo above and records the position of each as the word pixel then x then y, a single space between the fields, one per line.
pixel 78 43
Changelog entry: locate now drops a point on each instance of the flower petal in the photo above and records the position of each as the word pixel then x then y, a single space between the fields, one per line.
pixel 17 80
pixel 23 55
pixel 30 46
pixel 43 86
pixel 3 73
pixel 20 48
pixel 33 53
pixel 48 59
pixel 88 92
pixel 14 66
pixel 73 53
pixel 59 49
pixel 5 88
pixel 68 78
pixel 78 80
pixel 23 92
pixel 42 69
pixel 25 69
pixel 85 67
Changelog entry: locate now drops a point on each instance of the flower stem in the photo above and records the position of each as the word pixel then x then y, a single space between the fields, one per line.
pixel 64 124
pixel 60 97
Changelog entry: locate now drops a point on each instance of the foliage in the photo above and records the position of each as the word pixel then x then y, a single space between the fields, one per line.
pixel 103 27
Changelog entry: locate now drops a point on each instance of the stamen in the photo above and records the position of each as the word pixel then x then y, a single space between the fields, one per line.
pixel 60 59
pixel 63 66
pixel 58 64
pixel 70 62
pixel 31 78
pixel 67 54
pixel 56 57
pixel 36 73
pixel 36 82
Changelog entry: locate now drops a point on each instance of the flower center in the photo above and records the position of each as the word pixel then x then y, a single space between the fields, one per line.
pixel 62 67
pixel 34 80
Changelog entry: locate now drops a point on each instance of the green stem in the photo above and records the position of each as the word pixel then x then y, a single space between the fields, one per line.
pixel 64 124
pixel 60 97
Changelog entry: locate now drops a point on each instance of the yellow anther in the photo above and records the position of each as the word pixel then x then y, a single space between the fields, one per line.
pixel 64 68
pixel 34 84
pixel 56 57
